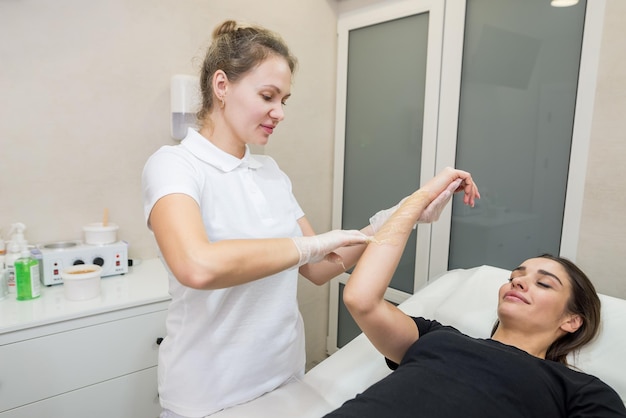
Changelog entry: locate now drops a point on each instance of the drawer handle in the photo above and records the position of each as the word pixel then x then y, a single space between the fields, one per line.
pixel 159 340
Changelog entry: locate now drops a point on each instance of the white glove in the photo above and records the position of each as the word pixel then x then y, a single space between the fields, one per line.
pixel 430 214
pixel 316 248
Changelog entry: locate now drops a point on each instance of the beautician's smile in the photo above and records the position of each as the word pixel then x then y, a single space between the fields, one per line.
pixel 269 129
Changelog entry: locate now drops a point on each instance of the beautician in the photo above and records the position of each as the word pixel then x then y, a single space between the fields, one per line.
pixel 233 236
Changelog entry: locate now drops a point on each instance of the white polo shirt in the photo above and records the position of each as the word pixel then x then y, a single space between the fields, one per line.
pixel 227 346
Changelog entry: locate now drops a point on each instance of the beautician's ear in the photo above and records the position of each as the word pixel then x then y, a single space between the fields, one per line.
pixel 220 82
pixel 572 323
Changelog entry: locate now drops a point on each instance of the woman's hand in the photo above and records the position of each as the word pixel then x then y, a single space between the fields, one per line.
pixel 446 177
pixel 440 188
pixel 433 211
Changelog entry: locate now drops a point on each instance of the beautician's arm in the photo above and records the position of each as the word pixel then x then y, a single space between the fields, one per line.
pixel 389 329
pixel 199 263
pixel 345 257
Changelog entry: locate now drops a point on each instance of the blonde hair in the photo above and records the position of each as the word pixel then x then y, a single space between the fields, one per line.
pixel 236 49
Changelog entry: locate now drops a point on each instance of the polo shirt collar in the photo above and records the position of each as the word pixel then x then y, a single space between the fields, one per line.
pixel 204 149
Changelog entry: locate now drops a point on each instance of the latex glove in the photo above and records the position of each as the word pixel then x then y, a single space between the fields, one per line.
pixel 316 248
pixel 429 215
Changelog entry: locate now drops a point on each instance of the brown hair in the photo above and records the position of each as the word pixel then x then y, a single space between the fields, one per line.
pixel 236 49
pixel 583 301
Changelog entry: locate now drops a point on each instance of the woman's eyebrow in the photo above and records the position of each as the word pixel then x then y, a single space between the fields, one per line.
pixel 275 88
pixel 543 272
pixel 547 273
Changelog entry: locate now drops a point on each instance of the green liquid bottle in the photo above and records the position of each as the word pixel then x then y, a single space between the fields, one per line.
pixel 27 277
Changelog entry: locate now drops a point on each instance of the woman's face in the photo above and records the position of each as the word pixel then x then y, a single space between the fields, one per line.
pixel 254 104
pixel 536 297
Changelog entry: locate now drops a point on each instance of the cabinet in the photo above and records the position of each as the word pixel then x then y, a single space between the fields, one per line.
pixel 95 358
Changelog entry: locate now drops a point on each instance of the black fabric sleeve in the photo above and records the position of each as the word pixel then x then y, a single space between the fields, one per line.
pixel 596 400
pixel 423 327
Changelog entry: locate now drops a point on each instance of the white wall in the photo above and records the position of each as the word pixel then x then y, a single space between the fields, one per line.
pixel 84 100
pixel 602 243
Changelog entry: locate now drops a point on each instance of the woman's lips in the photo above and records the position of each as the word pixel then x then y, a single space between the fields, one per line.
pixel 515 296
pixel 269 129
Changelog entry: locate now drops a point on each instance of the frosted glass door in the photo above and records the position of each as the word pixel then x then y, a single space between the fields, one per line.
pixel 384 120
pixel 388 96
pixel 519 82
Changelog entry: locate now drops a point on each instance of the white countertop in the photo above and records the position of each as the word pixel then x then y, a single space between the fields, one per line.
pixel 145 283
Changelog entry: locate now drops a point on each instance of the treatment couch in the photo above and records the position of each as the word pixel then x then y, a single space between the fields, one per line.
pixel 465 299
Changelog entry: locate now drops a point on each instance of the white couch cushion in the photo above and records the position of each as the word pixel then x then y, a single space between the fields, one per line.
pixel 605 357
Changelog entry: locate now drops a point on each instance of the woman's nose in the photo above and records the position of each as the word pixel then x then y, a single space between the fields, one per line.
pixel 518 282
pixel 277 113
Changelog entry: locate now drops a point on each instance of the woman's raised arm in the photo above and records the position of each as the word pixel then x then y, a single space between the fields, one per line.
pixel 390 330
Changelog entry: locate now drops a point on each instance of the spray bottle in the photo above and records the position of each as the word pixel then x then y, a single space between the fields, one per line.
pixel 14 251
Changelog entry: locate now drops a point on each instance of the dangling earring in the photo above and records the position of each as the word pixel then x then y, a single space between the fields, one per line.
pixel 222 104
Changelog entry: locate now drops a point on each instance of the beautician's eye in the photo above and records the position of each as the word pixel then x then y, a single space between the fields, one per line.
pixel 266 97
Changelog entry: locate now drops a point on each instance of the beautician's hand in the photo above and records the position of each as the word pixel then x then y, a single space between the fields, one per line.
pixel 429 215
pixel 316 248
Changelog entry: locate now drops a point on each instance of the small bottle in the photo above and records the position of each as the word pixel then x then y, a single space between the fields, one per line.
pixel 27 277
pixel 15 246
pixel 2 254
pixel 4 279
pixel 11 256
pixel 4 283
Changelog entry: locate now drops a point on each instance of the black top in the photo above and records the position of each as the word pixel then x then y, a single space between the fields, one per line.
pixel 447 374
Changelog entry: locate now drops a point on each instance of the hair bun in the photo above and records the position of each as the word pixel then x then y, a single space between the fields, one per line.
pixel 227 26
